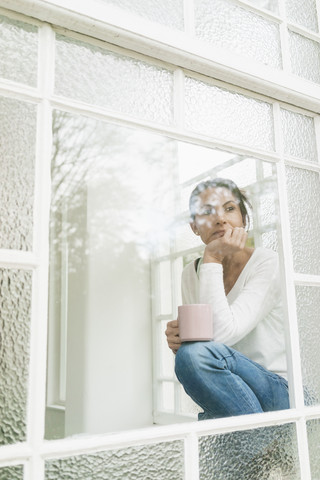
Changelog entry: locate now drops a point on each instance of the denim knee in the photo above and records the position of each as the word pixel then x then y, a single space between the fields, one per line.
pixel 188 357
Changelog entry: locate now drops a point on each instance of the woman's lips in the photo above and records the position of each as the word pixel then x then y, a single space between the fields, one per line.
pixel 220 233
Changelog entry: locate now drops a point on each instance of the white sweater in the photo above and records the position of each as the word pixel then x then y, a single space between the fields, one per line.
pixel 250 317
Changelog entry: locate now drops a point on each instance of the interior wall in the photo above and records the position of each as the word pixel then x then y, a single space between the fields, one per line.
pixel 109 376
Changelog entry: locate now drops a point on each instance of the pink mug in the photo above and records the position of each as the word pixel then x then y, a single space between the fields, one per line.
pixel 195 322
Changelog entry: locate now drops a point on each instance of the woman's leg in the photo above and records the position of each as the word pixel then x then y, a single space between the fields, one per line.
pixel 225 383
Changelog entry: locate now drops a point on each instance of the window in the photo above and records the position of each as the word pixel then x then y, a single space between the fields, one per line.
pixel 63 124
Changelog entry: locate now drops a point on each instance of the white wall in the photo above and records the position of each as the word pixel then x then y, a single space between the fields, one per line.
pixel 109 378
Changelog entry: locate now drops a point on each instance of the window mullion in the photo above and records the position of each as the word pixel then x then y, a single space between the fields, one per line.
pixel 38 360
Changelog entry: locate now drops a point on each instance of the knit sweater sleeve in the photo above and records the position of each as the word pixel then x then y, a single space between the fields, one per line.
pixel 232 322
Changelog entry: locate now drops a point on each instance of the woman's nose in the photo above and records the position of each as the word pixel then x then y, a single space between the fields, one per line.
pixel 219 215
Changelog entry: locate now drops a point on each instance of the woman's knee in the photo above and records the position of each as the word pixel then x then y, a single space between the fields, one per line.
pixel 189 357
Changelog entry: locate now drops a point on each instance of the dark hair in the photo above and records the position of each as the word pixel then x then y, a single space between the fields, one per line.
pixel 225 183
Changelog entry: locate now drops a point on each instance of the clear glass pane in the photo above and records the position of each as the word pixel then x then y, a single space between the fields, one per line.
pixel 17 152
pixel 272 5
pixel 110 189
pixel 96 76
pixel 11 473
pixel 15 298
pixel 18 51
pixel 230 26
pixel 231 116
pixel 162 461
pixel 304 200
pixel 305 57
pixel 167 357
pixel 313 429
pixel 303 12
pixel 187 406
pixel 207 162
pixel 269 452
pixel 308 307
pixel 242 172
pixel 299 135
pixel 186 239
pixel 168 396
pixel 165 288
pixel 166 12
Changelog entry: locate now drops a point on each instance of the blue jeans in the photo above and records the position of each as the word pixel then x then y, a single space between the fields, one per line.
pixel 225 383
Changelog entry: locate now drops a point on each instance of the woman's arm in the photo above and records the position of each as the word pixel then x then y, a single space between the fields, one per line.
pixel 233 322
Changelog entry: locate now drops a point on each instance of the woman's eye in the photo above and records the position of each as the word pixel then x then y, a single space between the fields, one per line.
pixel 205 211
pixel 229 209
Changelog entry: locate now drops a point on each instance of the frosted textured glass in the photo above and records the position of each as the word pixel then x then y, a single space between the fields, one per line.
pixel 18 51
pixel 229 26
pixel 263 453
pixel 313 429
pixel 228 115
pixel 267 209
pixel 305 57
pixel 308 307
pixel 165 12
pixel 304 200
pixel 270 240
pixel 17 151
pixel 11 473
pixel 15 298
pixel 163 461
pixel 303 12
pixel 299 135
pixel 96 76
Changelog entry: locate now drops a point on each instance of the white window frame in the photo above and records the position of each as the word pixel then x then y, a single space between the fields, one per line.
pixel 178 49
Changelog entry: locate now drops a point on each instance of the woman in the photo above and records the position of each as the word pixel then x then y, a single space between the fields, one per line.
pixel 242 286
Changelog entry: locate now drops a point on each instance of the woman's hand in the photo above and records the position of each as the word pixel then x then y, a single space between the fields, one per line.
pixel 172 333
pixel 233 241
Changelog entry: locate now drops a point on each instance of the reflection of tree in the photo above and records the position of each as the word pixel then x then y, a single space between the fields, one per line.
pixel 128 166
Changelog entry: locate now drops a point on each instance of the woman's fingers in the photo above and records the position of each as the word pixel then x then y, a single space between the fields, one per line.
pixel 172 333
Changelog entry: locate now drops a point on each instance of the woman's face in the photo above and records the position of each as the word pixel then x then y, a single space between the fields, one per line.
pixel 217 211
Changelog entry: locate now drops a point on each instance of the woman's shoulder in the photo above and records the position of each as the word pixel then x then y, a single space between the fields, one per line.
pixel 265 257
pixel 262 253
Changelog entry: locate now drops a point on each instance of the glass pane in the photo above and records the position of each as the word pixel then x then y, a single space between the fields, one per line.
pixel 15 298
pixel 168 396
pixel 299 136
pixel 111 189
pixel 17 152
pixel 269 452
pixel 18 51
pixel 304 199
pixel 303 12
pixel 187 406
pixel 166 12
pixel 167 357
pixel 211 110
pixel 12 473
pixel 163 461
pixel 230 26
pixel 313 429
pixel 305 57
pixel 165 288
pixel 308 307
pixel 96 76
pixel 271 5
